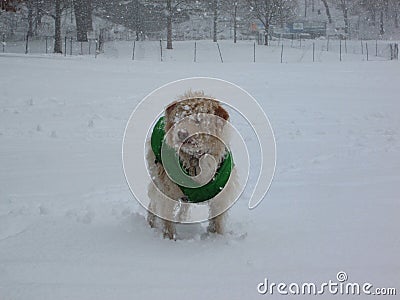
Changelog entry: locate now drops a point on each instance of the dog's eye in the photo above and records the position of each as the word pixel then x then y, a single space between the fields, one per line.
pixel 182 134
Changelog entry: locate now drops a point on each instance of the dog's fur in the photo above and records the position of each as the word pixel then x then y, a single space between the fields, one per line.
pixel 191 103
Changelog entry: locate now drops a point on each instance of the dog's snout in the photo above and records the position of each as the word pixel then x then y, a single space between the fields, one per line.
pixel 183 134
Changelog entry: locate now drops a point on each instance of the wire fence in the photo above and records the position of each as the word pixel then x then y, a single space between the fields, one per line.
pixel 45 45
pixel 279 50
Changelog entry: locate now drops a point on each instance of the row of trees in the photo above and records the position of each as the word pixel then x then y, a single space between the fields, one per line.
pixel 158 15
pixel 376 12
pixel 36 9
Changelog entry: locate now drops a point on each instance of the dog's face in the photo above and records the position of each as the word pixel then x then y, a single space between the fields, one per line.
pixel 196 125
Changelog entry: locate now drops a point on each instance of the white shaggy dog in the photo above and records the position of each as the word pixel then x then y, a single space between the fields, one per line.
pixel 193 148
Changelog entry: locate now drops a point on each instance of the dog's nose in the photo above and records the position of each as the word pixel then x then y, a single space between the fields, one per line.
pixel 183 134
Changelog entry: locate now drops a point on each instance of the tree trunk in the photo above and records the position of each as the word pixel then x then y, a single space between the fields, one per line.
pixel 89 20
pixel 30 19
pixel 305 8
pixel 215 9
pixel 169 24
pixel 345 17
pixel 38 13
pixel 381 23
pixel 57 31
pixel 328 12
pixel 235 24
pixel 83 18
pixel 396 19
pixel 266 33
pixel 373 17
pixel 137 20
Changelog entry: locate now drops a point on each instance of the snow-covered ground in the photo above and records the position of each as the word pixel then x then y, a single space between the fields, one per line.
pixel 70 228
pixel 294 51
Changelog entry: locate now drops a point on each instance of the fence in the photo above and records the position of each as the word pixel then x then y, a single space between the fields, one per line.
pixel 279 50
pixel 45 45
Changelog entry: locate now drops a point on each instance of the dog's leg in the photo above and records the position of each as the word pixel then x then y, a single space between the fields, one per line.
pixel 169 230
pixel 216 225
pixel 151 218
pixel 219 204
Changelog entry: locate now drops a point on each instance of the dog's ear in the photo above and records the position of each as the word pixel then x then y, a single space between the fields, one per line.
pixel 170 107
pixel 221 112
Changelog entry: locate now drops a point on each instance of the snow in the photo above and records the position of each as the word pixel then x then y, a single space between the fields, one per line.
pixel 70 228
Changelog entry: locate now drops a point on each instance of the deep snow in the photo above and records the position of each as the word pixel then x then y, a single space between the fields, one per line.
pixel 70 228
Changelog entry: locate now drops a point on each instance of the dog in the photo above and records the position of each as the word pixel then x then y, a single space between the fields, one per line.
pixel 193 148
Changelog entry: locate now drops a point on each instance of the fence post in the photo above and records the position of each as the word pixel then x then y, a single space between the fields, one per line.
pixel 161 50
pixel 391 51
pixel 195 52
pixel 394 51
pixel 220 54
pixel 327 44
pixel 97 49
pixel 362 47
pixel 254 52
pixel 65 46
pixel 27 43
pixel 70 47
pixel 376 47
pixel 313 51
pixel 340 49
pixel 282 54
pixel 46 43
pixel 81 48
pixel 4 42
pixel 133 51
pixel 366 49
pixel 90 45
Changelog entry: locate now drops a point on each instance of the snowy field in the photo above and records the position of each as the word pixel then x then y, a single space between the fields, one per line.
pixel 70 228
pixel 294 51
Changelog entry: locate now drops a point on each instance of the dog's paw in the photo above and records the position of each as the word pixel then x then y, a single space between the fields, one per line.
pixel 215 227
pixel 169 234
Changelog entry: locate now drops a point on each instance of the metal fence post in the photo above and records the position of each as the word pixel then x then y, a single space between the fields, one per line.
pixel 254 52
pixel 220 54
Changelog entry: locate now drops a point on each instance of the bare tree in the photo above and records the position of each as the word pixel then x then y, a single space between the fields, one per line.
pixel 327 11
pixel 395 9
pixel 383 9
pixel 268 11
pixel 215 19
pixel 30 18
pixel 169 24
pixel 55 9
pixel 83 17
pixel 57 29
pixel 344 7
pixel 236 9
pixel 171 7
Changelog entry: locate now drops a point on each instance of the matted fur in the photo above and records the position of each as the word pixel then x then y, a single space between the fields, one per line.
pixel 189 104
